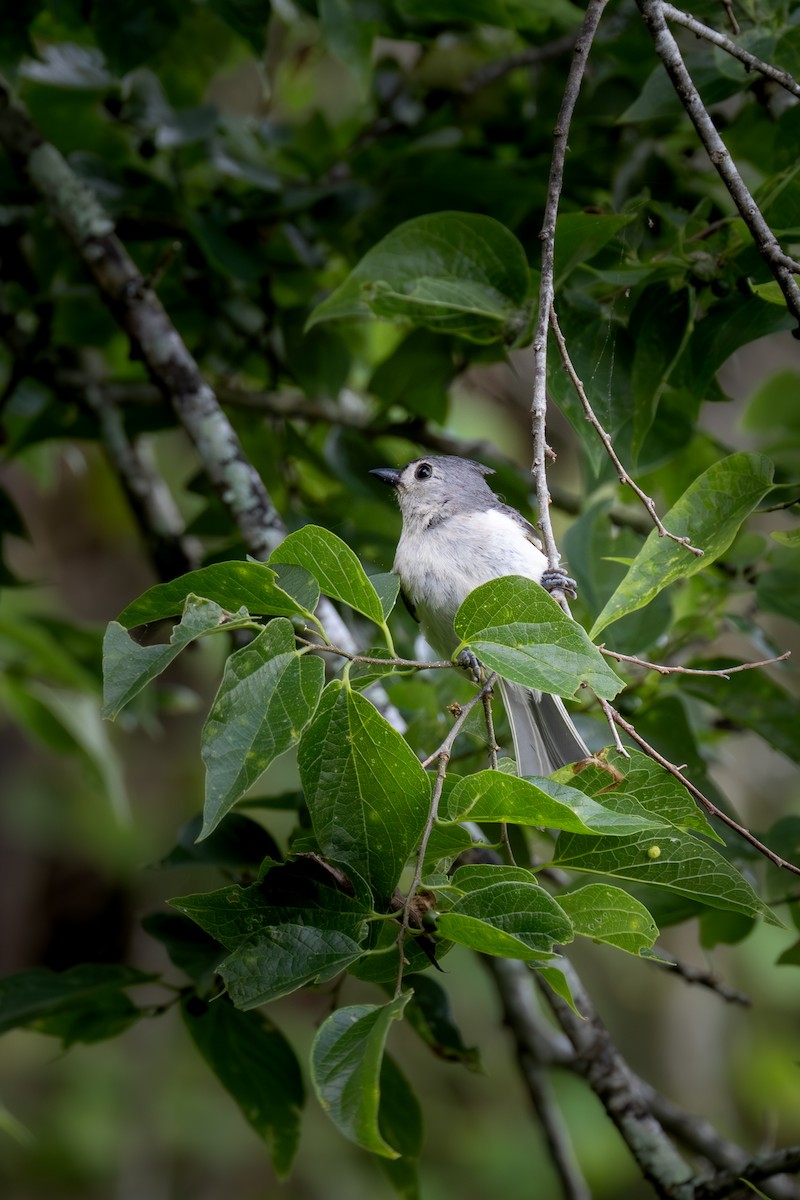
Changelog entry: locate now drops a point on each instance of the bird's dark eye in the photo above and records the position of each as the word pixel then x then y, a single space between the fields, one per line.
pixel 423 471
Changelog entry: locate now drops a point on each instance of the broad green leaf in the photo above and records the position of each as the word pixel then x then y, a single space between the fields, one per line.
pixel 299 892
pixel 495 796
pixel 778 588
pixel 659 326
pixel 240 842
pixel 367 793
pixel 787 537
pixel 430 1014
pixel 518 630
pixel 84 1003
pixel 726 327
pixel 449 271
pixel 504 912
pixel 579 236
pixel 335 567
pixel 710 513
pixel 608 914
pixel 233 585
pixel 674 860
pixel 284 958
pixel 400 1125
pixel 417 375
pixel 267 696
pixel 128 667
pixel 636 784
pixel 751 699
pixel 554 976
pixel 346 1059
pixel 387 585
pixel 256 1066
pixel 188 947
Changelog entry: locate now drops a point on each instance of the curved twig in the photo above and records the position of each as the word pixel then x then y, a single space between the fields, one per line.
pixel 605 438
pixel 723 673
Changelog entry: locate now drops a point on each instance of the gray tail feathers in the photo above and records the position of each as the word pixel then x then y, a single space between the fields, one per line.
pixel 544 736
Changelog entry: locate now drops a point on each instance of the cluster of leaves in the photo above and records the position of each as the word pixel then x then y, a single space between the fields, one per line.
pixel 332 904
pixel 375 241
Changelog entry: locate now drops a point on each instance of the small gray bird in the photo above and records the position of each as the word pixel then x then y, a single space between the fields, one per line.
pixel 456 535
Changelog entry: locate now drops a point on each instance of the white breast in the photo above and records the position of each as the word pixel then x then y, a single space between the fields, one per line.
pixel 441 565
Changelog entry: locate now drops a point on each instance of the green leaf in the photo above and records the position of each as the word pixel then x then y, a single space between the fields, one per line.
pixel 579 236
pixel 674 860
pixel 450 272
pixel 430 1014
pixel 367 793
pixel 636 784
pixel 504 912
pixel 387 585
pixel 346 1059
pixel 335 567
pixel 189 948
pixel 495 796
pixel 787 537
pixel 751 699
pixel 128 666
pixel 256 1066
pixel 267 697
pixel 301 892
pixel 417 375
pixel 282 959
pixel 240 842
pixel 518 630
pixel 608 914
pixel 710 513
pixel 400 1125
pixel 84 1003
pixel 777 590
pixel 232 585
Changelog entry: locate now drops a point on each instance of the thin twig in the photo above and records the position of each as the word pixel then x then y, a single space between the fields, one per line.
pixel 725 43
pixel 653 12
pixel 701 977
pixel 493 748
pixel 572 88
pixel 605 438
pixel 442 758
pixel 728 6
pixel 708 805
pixel 722 673
pixel 339 651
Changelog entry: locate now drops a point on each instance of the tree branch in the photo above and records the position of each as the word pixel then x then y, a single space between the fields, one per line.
pixel 537 1047
pixel 600 1063
pixel 708 805
pixel 541 451
pixel 725 43
pixel 531 56
pixel 700 977
pixel 779 263
pixel 759 1167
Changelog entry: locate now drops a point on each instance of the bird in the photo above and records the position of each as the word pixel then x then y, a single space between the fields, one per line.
pixel 457 534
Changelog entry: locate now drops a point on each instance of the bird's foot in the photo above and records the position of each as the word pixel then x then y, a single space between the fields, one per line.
pixel 470 664
pixel 557 579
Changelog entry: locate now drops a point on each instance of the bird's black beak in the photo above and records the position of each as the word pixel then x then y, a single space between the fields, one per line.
pixel 387 475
